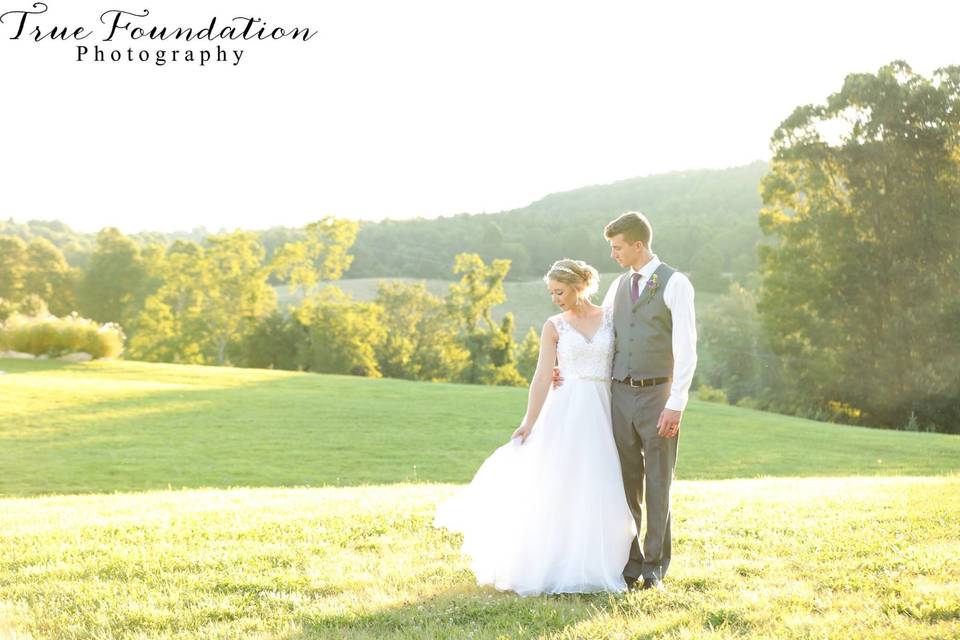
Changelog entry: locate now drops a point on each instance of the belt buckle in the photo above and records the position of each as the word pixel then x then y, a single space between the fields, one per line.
pixel 639 384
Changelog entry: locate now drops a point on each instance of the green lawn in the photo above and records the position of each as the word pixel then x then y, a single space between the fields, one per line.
pixel 775 558
pixel 144 501
pixel 128 426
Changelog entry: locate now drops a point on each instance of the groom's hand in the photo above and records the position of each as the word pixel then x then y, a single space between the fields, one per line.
pixel 669 424
pixel 556 380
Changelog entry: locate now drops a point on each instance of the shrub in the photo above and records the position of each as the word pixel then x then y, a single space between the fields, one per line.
pixel 708 394
pixel 274 343
pixel 750 403
pixel 52 336
pixel 940 412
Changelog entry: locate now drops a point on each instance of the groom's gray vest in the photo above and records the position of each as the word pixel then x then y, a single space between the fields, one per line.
pixel 644 344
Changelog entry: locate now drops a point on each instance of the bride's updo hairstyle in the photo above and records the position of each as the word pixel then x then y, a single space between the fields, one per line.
pixel 576 273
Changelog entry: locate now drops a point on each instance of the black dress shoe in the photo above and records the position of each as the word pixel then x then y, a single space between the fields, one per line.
pixel 632 583
pixel 652 583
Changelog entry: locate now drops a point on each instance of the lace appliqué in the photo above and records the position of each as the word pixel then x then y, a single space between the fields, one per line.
pixel 582 356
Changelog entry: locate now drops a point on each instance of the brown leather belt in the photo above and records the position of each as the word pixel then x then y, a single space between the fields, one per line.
pixel 646 382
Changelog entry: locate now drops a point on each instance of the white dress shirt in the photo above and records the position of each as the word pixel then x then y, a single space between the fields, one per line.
pixel 678 296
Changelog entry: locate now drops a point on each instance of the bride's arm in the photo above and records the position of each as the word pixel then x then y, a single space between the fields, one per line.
pixel 540 385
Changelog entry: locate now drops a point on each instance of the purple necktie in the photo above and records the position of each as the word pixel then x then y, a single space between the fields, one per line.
pixel 635 287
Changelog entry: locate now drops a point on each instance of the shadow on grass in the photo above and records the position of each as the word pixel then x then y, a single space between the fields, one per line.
pixel 164 426
pixel 16 365
pixel 283 429
pixel 460 614
pixel 485 613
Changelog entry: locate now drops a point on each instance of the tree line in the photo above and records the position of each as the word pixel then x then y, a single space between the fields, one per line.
pixel 211 302
pixel 704 220
pixel 842 292
pixel 857 314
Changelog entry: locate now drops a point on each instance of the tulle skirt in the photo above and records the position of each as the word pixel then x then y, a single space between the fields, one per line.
pixel 550 515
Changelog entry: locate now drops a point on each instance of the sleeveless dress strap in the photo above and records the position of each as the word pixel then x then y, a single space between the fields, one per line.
pixel 559 323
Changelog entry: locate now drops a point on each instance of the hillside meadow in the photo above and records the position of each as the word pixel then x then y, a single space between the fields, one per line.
pixel 163 501
pixel 130 426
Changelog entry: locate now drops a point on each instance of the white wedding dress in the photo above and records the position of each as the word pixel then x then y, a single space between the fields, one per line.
pixel 550 515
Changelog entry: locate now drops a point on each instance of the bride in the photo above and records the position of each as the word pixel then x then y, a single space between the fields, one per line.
pixel 547 513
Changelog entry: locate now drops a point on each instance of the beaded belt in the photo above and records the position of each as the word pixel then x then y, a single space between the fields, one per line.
pixel 594 378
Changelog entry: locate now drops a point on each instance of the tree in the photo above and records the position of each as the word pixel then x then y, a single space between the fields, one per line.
pixel 736 354
pixel 502 348
pixel 276 342
pixel 480 289
pixel 421 341
pixel 48 275
pixel 13 259
pixel 470 300
pixel 343 335
pixel 172 325
pixel 207 300
pixel 861 282
pixel 707 267
pixel 528 354
pixel 112 289
pixel 321 255
pixel 29 306
pixel 238 295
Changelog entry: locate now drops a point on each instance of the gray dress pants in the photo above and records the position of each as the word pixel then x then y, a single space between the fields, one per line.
pixel 647 461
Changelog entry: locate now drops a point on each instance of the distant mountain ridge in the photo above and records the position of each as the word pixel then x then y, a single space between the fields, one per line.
pixel 705 223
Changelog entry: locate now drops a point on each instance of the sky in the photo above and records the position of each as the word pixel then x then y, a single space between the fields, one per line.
pixel 415 108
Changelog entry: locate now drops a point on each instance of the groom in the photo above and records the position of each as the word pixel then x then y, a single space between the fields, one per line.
pixel 655 354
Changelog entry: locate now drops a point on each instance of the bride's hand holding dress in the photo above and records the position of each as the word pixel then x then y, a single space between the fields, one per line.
pixel 551 516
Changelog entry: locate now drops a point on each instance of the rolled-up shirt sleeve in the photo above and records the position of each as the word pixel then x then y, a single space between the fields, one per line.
pixel 678 296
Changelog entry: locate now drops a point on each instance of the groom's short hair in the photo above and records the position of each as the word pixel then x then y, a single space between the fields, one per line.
pixel 633 225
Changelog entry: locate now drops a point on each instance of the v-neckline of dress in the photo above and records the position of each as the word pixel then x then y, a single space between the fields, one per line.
pixel 582 334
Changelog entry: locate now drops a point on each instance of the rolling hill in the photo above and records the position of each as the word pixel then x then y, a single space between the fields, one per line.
pixel 166 502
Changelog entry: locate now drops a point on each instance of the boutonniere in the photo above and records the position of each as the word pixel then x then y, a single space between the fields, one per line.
pixel 652 283
pixel 650 288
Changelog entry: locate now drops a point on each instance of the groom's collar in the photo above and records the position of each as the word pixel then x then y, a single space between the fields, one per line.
pixel 647 270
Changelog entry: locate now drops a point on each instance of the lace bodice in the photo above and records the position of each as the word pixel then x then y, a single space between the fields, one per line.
pixel 582 356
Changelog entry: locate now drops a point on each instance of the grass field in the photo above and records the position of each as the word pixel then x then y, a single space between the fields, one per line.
pixel 129 426
pixel 163 501
pixel 776 558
